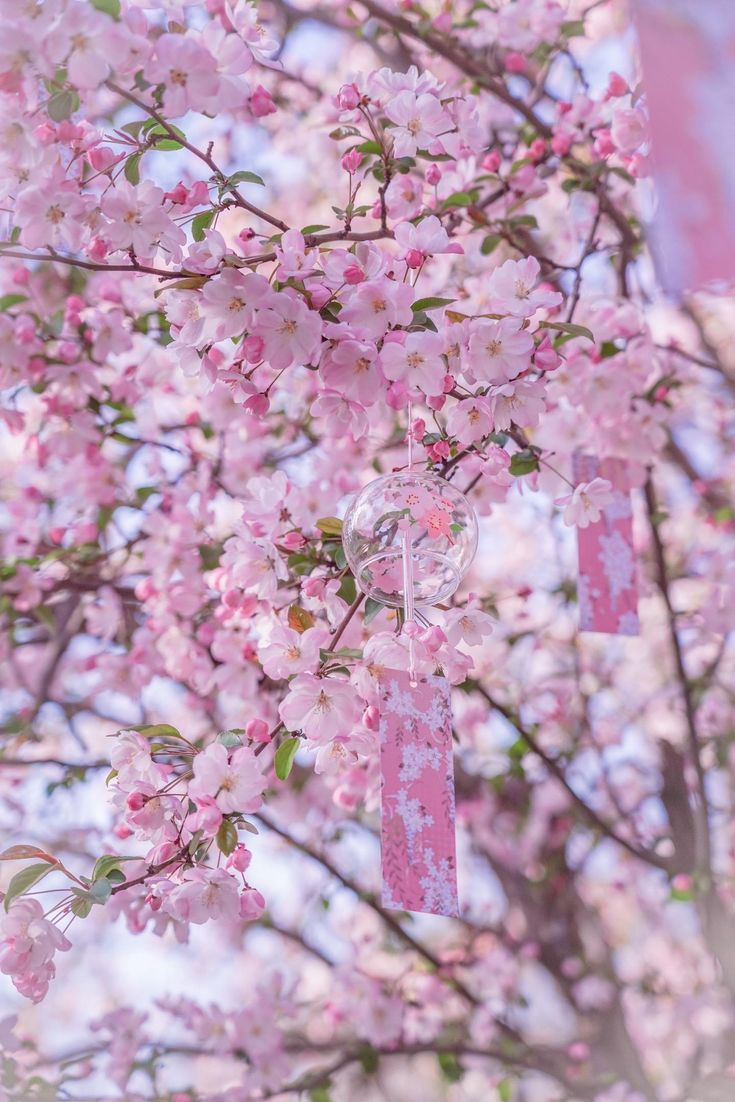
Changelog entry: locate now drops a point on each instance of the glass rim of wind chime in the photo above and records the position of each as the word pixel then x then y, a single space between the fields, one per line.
pixel 446 565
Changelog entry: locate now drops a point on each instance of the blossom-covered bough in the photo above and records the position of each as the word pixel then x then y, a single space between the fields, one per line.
pixel 200 363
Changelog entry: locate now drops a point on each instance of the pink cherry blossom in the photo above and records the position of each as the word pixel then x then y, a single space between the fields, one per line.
pixel 290 331
pixel 205 894
pixel 510 289
pixel 187 71
pixel 350 367
pixel 470 420
pixel 377 305
pixel 418 119
pixel 322 708
pixel 417 361
pixel 228 301
pixel 234 780
pixel 585 504
pixel 498 350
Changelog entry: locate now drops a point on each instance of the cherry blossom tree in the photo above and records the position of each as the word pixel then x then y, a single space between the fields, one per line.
pixel 246 253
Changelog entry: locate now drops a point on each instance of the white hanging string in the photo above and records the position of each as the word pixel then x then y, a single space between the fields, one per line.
pixel 408 596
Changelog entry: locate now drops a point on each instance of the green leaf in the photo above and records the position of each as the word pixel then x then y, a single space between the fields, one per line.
pixel 431 304
pixel 62 105
pixel 132 168
pixel 24 853
pixel 313 229
pixel 372 608
pixel 201 223
pixel 227 837
pixel 490 243
pixel 523 463
pixel 82 905
pixel 569 328
pixel 157 730
pixel 450 1066
pixel 329 526
pixel 320 1094
pixel 107 863
pixel 370 147
pixel 348 589
pixel 100 891
pixel 6 301
pixel 299 619
pixel 284 757
pixel 460 199
pixel 110 7
pixel 243 178
pixel 231 738
pixel 571 28
pixel 682 895
pixel 369 1059
pixel 25 879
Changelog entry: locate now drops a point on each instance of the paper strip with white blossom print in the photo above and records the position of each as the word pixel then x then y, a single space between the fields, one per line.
pixel 608 582
pixel 687 49
pixel 417 785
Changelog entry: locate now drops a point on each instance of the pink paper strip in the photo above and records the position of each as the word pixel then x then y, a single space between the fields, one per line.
pixel 687 50
pixel 417 769
pixel 608 583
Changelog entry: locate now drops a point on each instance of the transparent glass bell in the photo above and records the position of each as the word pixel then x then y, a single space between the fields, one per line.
pixel 409 538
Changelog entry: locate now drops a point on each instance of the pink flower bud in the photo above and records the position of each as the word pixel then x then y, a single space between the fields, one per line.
pixel 448 384
pixel 433 638
pixel 561 144
pixel 21 276
pixel 102 158
pixel 439 451
pixel 348 97
pixel 491 161
pixel 353 274
pixel 313 587
pixel 56 535
pixel 436 402
pixel 252 904
pixel 239 859
pixel 546 358
pixel 253 348
pixel 537 149
pixel 178 194
pixel 514 63
pixel 257 730
pixel 616 86
pixel 604 146
pixel 261 102
pixel 433 175
pixel 257 404
pixel 121 831
pixel 97 248
pixel 371 718
pixel 136 800
pixel 578 1051
pixel 351 161
pixel 414 258
pixel 293 541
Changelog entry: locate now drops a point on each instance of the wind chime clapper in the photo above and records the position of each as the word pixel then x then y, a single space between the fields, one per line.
pixel 409 538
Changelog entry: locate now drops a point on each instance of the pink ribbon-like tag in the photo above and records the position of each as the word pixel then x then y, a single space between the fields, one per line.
pixel 608 583
pixel 417 770
pixel 687 50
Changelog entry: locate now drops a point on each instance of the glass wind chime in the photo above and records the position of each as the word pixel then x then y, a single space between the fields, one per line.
pixel 409 537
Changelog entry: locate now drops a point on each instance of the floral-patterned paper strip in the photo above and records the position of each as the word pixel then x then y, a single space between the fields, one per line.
pixel 608 583
pixel 688 56
pixel 417 770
